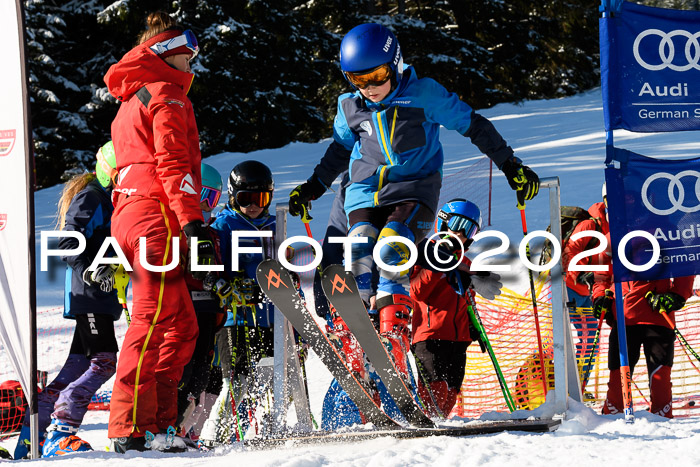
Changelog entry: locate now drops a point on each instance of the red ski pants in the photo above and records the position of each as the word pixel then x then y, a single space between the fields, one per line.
pixel 658 350
pixel 163 330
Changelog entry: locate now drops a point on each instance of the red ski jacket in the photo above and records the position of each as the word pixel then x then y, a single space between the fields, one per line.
pixel 440 312
pixel 154 133
pixel 637 308
pixel 572 248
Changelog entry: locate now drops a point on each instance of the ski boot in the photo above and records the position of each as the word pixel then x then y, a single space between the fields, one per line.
pixel 61 440
pixel 394 318
pixel 23 444
pixel 128 443
pixel 345 342
pixel 165 442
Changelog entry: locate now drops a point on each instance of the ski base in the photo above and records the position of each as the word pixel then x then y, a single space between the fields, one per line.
pixel 276 282
pixel 341 290
pixel 477 427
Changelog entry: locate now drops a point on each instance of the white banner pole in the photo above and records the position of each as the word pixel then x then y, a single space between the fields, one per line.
pixel 17 272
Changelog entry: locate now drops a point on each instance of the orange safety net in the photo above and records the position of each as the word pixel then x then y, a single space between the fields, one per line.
pixel 510 326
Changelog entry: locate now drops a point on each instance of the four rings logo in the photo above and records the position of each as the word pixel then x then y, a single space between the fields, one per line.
pixel 676 192
pixel 667 50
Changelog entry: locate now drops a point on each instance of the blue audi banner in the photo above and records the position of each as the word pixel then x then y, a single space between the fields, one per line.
pixel 650 67
pixel 654 199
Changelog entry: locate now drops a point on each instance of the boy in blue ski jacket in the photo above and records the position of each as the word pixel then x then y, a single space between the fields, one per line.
pixel 91 300
pixel 247 334
pixel 387 134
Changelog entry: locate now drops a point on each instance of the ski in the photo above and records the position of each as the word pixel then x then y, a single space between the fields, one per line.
pixel 277 284
pixel 342 292
pixel 472 428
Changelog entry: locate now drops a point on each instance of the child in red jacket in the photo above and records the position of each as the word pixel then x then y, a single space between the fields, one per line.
pixel 644 301
pixel 441 325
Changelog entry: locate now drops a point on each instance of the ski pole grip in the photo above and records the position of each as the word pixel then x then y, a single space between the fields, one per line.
pixel 305 216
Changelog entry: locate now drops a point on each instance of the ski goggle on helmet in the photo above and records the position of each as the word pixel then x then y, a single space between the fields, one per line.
pixel 187 39
pixel 211 186
pixel 459 215
pixel 375 77
pixel 246 198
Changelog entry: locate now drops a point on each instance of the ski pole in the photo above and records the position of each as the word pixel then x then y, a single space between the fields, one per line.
pixel 302 363
pixel 476 320
pixel 625 371
pixel 521 206
pixel 306 219
pixel 680 336
pixel 121 282
pixel 588 367
pixel 234 407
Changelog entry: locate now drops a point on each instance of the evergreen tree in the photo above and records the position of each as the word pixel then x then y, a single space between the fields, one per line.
pixel 255 82
pixel 268 71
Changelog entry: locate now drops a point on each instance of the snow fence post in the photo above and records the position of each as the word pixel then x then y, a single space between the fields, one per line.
pixel 566 379
pixel 287 374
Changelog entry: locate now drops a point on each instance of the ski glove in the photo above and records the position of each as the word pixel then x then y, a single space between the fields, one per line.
pixel 102 276
pixel 249 290
pixel 224 291
pixel 457 277
pixel 487 284
pixel 665 302
pixel 204 246
pixel 521 178
pixel 586 278
pixel 301 196
pixel 603 304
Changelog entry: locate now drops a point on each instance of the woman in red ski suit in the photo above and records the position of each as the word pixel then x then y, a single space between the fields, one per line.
pixel 157 197
pixel 644 324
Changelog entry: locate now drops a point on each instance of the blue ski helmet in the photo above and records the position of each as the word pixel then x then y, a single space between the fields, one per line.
pixel 211 185
pixel 369 46
pixel 459 215
pixel 211 178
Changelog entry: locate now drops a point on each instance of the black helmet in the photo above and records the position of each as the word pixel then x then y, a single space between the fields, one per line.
pixel 249 176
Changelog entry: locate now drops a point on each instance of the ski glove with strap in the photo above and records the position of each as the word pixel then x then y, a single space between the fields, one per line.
pixel 204 247
pixel 665 302
pixel 521 178
pixel 586 278
pixel 102 276
pixel 603 304
pixel 301 197
pixel 487 284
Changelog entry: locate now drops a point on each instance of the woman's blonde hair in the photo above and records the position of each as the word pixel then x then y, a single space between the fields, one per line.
pixel 74 186
pixel 157 22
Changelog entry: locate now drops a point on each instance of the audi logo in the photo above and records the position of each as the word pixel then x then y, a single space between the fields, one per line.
pixel 667 50
pixel 674 187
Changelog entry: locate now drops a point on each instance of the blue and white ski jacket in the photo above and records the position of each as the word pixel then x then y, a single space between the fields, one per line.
pixel 393 148
pixel 89 213
pixel 227 221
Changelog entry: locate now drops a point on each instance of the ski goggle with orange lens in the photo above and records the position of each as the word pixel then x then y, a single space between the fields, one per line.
pixel 187 38
pixel 462 224
pixel 210 196
pixel 374 77
pixel 259 198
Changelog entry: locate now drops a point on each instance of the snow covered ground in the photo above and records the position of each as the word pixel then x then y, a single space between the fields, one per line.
pixel 562 138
